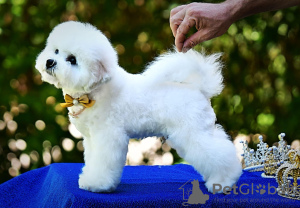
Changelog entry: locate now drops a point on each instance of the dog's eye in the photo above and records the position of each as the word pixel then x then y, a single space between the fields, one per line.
pixel 56 51
pixel 72 59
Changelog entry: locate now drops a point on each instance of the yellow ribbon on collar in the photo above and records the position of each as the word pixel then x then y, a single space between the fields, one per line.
pixel 83 100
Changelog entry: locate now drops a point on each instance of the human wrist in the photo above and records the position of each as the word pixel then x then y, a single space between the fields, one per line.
pixel 238 9
pixel 233 10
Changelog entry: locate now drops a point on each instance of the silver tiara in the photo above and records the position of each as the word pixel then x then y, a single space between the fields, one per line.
pixel 265 158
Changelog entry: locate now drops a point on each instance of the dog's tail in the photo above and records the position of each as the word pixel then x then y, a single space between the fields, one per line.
pixel 193 68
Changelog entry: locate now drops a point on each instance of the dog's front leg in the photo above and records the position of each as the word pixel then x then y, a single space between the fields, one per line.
pixel 105 156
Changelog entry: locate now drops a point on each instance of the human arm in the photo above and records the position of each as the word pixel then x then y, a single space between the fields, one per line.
pixel 213 20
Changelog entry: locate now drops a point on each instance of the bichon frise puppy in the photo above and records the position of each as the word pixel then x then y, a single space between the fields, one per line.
pixel 109 106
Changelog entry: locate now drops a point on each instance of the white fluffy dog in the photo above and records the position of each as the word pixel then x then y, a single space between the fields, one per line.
pixel 171 99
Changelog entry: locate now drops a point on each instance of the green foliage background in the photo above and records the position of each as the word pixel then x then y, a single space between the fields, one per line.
pixel 261 57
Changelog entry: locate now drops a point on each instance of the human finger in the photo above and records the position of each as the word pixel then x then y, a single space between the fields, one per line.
pixel 176 20
pixel 192 41
pixel 200 36
pixel 176 9
pixel 182 30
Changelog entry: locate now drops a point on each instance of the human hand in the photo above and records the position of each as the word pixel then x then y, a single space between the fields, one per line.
pixel 210 20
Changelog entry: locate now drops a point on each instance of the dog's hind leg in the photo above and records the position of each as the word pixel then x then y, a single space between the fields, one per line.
pixel 212 154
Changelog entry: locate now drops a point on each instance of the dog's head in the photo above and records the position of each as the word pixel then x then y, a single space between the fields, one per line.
pixel 77 57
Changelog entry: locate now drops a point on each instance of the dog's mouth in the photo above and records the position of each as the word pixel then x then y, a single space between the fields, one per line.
pixel 50 71
pixel 50 67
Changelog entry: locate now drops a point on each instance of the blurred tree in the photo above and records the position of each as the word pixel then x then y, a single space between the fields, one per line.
pixel 261 57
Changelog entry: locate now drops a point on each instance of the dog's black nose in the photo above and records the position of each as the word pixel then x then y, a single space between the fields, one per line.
pixel 50 63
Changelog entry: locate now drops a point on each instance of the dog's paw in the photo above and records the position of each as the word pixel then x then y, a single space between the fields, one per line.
pixel 217 186
pixel 87 184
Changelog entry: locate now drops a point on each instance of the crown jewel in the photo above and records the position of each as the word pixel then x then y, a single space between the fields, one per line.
pixel 265 158
pixel 254 160
pixel 279 162
pixel 287 175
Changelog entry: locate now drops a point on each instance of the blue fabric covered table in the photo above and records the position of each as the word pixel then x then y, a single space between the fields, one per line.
pixel 141 186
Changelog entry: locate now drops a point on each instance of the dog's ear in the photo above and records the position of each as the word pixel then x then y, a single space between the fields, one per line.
pixel 100 76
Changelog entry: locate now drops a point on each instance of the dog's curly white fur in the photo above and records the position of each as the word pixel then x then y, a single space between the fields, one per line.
pixel 171 98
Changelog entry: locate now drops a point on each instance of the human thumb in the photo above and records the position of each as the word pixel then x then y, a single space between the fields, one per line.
pixel 193 40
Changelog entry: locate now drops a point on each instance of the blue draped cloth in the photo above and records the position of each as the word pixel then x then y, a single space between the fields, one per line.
pixel 56 185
